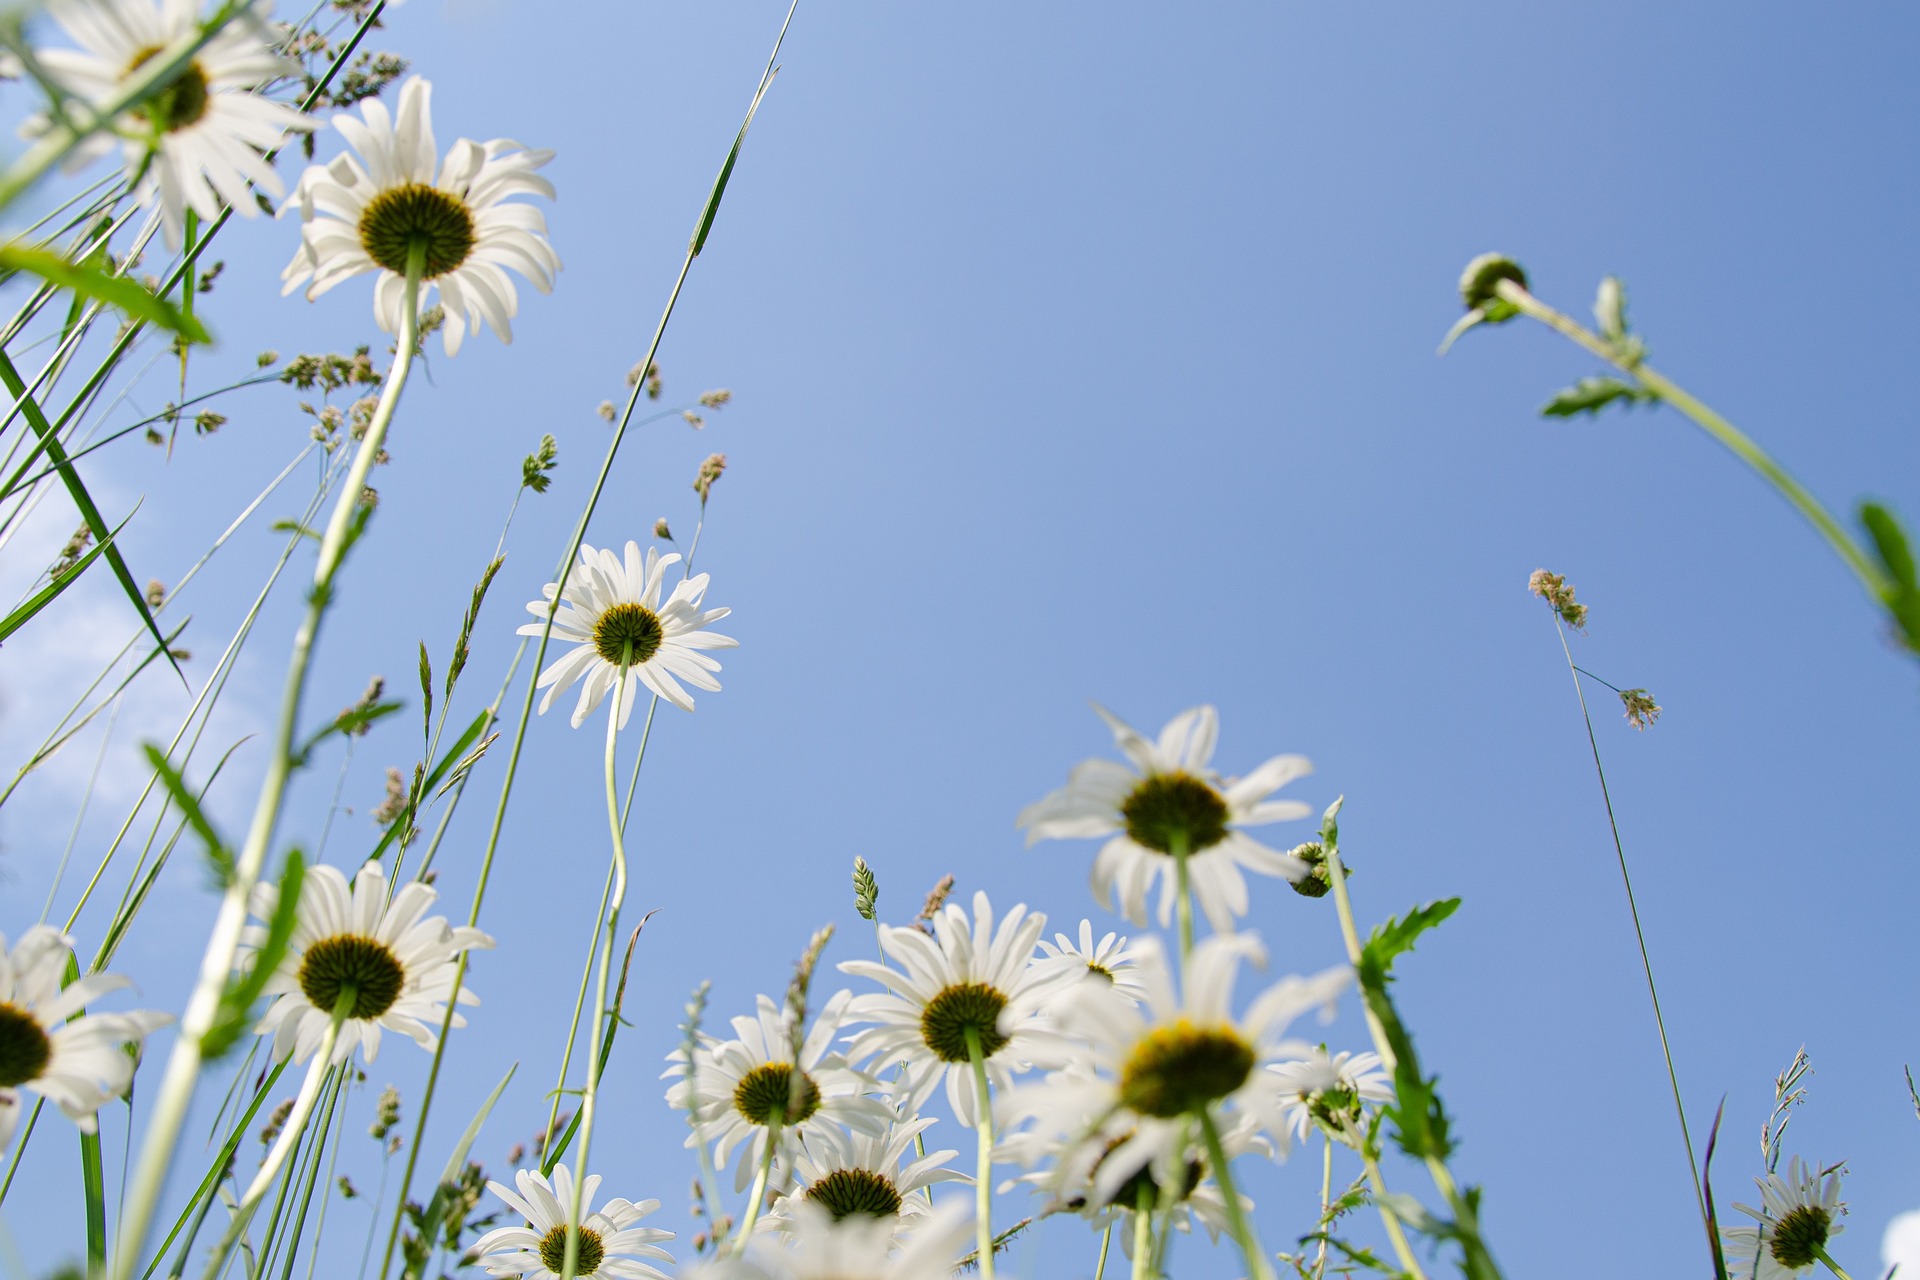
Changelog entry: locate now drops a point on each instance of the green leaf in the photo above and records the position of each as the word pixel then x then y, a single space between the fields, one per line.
pixel 712 210
pixel 1395 938
pixel 61 581
pixel 49 440
pixel 352 720
pixel 235 1014
pixel 448 759
pixel 436 1210
pixel 189 805
pixel 1901 595
pixel 1590 395
pixel 89 281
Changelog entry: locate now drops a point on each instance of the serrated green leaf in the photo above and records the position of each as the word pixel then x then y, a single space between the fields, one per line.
pixel 1396 937
pixel 1590 395
pixel 89 281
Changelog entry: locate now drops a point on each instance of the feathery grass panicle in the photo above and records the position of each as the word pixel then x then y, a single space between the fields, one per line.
pixel 1554 589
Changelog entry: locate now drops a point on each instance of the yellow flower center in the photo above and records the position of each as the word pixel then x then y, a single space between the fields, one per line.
pixel 351 960
pixel 398 219
pixel 1164 809
pixel 1176 1070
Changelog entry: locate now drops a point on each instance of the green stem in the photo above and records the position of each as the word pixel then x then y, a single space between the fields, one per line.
pixel 983 1177
pixel 757 1196
pixel 1326 1202
pixel 1820 1252
pixel 1395 1233
pixel 589 1100
pixel 290 1134
pixel 1143 1232
pixel 1257 1265
pixel 1106 1242
pixel 1183 900
pixel 183 1065
pixel 1730 436
pixel 1639 935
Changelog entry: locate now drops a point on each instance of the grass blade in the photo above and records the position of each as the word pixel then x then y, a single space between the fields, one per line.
pixel 61 581
pixel 87 281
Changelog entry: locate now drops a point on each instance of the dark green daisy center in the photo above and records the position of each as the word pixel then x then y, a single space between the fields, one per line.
pixel 351 960
pixel 25 1048
pixel 771 1086
pixel 588 1254
pixel 1127 1195
pixel 1176 1070
pixel 1164 809
pixel 848 1191
pixel 970 1006
pixel 1798 1237
pixel 178 103
pixel 628 634
pixel 397 219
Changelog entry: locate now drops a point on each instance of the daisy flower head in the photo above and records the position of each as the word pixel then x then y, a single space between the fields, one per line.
pixel 197 143
pixel 612 615
pixel 79 1065
pixel 1165 804
pixel 1173 1057
pixel 398 203
pixel 1110 960
pixel 1068 1153
pixel 871 1174
pixel 349 942
pixel 612 1243
pixel 741 1092
pixel 1798 1215
pixel 966 987
pixel 856 1247
pixel 1331 1091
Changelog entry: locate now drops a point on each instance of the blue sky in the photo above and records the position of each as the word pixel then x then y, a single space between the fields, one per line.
pixel 1087 352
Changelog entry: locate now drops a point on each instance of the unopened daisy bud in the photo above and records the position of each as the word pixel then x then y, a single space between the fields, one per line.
pixel 711 470
pixel 1555 590
pixel 156 593
pixel 606 410
pixel 866 889
pixel 714 399
pixel 1319 879
pixel 694 420
pixel 661 531
pixel 1642 710
pixel 1483 276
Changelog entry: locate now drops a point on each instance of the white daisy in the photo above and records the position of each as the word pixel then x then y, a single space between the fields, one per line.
pixel 610 1246
pixel 1797 1216
pixel 736 1086
pixel 1169 800
pixel 852 1248
pixel 1110 960
pixel 867 1174
pixel 205 130
pixel 612 615
pixel 397 965
pixel 369 212
pixel 1331 1090
pixel 1159 1065
pixel 964 984
pixel 77 1065
pixel 1065 1151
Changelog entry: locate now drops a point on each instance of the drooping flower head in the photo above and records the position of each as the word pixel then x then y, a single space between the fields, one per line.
pixel 742 1091
pixel 850 1174
pixel 965 986
pixel 613 617
pixel 1798 1215
pixel 1331 1091
pixel 1146 1070
pixel 1169 802
pixel 612 1244
pixel 79 1066
pixel 857 1247
pixel 349 942
pixel 397 199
